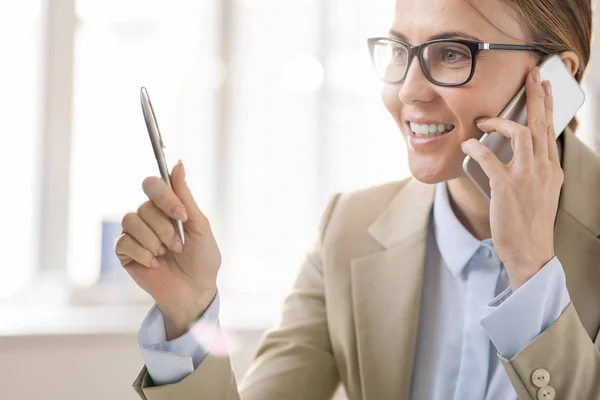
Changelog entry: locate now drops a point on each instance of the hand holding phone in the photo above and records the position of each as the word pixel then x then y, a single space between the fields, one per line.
pixel 526 193
pixel 568 98
pixel 157 146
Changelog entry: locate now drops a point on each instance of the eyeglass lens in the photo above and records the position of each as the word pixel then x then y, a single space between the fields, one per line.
pixel 446 62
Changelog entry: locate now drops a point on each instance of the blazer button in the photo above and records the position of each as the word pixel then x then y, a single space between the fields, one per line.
pixel 546 393
pixel 540 378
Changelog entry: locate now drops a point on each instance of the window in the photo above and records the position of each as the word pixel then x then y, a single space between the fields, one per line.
pixel 307 121
pixel 120 46
pixel 20 78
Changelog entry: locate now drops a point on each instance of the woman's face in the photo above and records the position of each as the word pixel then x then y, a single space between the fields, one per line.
pixel 498 76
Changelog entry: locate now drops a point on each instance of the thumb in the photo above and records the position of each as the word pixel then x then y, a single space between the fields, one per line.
pixel 181 189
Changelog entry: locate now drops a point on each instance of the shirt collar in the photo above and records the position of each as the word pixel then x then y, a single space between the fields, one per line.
pixel 455 243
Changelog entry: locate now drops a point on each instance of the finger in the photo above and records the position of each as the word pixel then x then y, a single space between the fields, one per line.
pixel 138 272
pixel 134 225
pixel 160 225
pixel 197 221
pixel 485 157
pixel 124 259
pixel 536 114
pixel 549 105
pixel 519 135
pixel 128 248
pixel 164 198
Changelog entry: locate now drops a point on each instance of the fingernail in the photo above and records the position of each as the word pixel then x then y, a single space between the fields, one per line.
pixel 179 213
pixel 182 167
pixel 155 188
pixel 154 263
pixel 536 75
pixel 548 89
pixel 162 251
pixel 480 120
pixel 177 246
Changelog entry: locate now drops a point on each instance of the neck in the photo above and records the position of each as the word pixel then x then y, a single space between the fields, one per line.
pixel 470 207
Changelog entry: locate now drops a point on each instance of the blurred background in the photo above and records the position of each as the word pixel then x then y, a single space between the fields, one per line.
pixel 272 106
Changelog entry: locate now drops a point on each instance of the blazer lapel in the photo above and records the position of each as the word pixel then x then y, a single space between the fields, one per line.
pixel 577 228
pixel 386 293
pixel 579 195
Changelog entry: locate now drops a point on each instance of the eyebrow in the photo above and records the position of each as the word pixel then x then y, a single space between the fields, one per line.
pixel 442 35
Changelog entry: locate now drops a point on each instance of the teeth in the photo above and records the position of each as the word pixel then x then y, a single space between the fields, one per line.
pixel 430 130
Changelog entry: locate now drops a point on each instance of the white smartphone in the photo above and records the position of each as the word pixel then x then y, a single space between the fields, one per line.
pixel 158 146
pixel 568 98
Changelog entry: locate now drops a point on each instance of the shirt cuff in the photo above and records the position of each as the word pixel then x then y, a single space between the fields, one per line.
pixel 513 320
pixel 171 361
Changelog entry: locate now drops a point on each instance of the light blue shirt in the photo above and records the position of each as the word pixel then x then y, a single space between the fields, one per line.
pixel 171 361
pixel 468 314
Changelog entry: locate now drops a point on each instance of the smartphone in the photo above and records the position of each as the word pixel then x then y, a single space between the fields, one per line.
pixel 158 146
pixel 568 98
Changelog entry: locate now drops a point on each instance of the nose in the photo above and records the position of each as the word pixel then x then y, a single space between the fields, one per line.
pixel 416 88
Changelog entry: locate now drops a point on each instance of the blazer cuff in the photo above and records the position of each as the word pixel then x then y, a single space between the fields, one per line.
pixel 566 354
pixel 171 361
pixel 514 319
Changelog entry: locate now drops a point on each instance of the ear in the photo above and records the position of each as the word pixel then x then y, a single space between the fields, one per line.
pixel 571 60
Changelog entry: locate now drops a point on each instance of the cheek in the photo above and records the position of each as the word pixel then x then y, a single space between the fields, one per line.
pixel 491 89
pixel 469 104
pixel 465 105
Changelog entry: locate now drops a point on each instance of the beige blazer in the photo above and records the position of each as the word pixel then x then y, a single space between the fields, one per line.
pixel 352 315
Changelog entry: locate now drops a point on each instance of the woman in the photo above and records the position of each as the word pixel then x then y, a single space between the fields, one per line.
pixel 417 289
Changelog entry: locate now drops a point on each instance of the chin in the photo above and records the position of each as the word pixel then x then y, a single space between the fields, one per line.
pixel 432 173
pixel 427 177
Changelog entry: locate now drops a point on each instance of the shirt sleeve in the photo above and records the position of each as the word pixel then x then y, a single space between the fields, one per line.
pixel 513 320
pixel 171 361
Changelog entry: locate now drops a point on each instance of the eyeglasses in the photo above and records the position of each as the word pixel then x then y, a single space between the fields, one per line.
pixel 445 62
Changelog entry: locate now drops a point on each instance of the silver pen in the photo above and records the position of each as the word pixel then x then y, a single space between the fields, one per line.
pixel 158 146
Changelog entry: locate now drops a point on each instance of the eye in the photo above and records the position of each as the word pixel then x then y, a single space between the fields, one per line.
pixel 452 55
pixel 399 53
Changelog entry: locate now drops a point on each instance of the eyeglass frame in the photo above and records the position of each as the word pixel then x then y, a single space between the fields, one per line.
pixel 474 46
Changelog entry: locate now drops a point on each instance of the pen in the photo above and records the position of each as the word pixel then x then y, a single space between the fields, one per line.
pixel 179 228
pixel 158 147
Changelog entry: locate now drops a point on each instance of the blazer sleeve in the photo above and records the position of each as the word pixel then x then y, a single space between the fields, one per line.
pixel 293 361
pixel 561 363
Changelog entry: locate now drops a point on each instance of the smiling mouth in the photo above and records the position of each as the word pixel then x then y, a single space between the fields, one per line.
pixel 429 130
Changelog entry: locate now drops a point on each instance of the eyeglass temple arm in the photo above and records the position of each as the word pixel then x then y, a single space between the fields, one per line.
pixel 489 46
